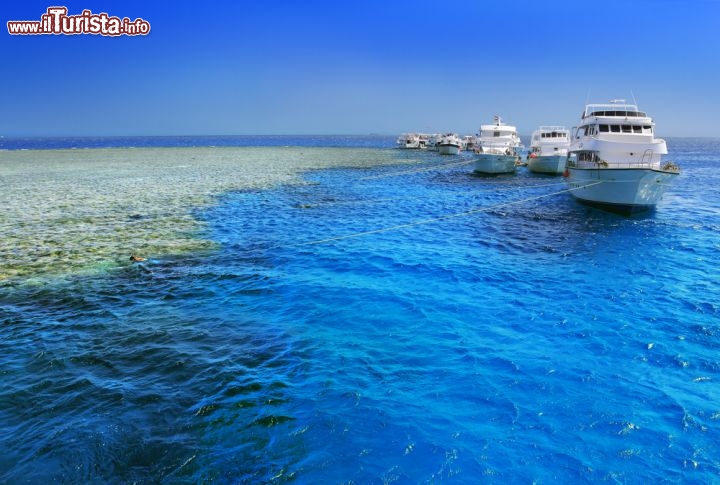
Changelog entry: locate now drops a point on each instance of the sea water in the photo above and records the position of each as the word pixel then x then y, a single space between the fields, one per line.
pixel 344 312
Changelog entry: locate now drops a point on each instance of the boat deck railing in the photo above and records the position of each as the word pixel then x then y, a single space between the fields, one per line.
pixel 606 164
pixel 668 166
pixel 648 160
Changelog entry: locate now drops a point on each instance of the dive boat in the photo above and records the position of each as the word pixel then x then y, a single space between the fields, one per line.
pixel 434 141
pixel 468 142
pixel 408 140
pixel 615 162
pixel 548 150
pixel 449 144
pixel 497 147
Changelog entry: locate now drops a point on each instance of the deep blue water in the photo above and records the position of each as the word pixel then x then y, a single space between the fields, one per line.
pixel 59 142
pixel 402 324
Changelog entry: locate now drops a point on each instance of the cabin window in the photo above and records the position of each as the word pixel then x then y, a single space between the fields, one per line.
pixel 496 133
pixel 585 156
pixel 647 129
pixel 626 129
pixel 615 128
pixel 637 129
pixel 604 128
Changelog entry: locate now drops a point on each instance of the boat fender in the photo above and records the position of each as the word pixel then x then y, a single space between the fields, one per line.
pixel 566 173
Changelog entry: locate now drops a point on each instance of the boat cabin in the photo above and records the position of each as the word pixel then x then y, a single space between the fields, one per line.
pixel 615 118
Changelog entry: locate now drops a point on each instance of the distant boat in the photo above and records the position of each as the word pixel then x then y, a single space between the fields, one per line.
pixel 548 150
pixel 468 142
pixel 614 160
pixel 497 147
pixel 423 140
pixel 433 141
pixel 409 140
pixel 449 144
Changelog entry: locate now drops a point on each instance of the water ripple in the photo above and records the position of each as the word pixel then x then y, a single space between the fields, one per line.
pixel 541 341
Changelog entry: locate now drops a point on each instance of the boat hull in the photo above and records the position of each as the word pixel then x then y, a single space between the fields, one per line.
pixel 491 163
pixel 550 164
pixel 620 190
pixel 448 149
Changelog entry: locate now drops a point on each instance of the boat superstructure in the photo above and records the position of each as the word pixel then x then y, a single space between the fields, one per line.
pixel 548 150
pixel 614 160
pixel 409 141
pixel 497 148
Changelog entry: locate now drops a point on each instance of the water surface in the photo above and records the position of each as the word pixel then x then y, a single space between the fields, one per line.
pixel 389 318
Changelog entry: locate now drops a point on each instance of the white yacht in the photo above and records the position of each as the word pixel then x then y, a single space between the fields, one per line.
pixel 468 142
pixel 548 150
pixel 423 140
pixel 614 160
pixel 449 144
pixel 497 150
pixel 408 140
pixel 434 141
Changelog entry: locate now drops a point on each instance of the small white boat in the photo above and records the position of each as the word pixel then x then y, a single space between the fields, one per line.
pixel 497 150
pixel 423 140
pixel 468 142
pixel 614 160
pixel 409 141
pixel 433 141
pixel 548 150
pixel 449 144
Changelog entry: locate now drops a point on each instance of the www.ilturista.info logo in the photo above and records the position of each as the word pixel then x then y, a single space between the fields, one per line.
pixel 57 21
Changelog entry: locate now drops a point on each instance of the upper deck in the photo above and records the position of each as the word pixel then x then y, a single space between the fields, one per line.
pixel 615 108
pixel 615 120
pixel 498 129
pixel 550 132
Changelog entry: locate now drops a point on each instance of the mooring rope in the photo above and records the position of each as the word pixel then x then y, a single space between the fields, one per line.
pixel 441 218
pixel 312 205
pixel 417 170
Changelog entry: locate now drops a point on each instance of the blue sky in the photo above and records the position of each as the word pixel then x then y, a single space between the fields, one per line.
pixel 373 66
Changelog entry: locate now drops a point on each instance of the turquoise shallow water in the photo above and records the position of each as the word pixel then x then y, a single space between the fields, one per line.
pixel 536 341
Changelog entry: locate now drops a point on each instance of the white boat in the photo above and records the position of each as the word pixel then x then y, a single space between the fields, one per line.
pixel 468 142
pixel 408 140
pixel 434 141
pixel 548 150
pixel 449 144
pixel 423 141
pixel 614 160
pixel 497 150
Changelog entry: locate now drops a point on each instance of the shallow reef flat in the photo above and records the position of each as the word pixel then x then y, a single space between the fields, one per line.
pixel 71 211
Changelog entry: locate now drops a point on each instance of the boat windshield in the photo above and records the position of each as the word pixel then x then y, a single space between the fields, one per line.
pixel 613 109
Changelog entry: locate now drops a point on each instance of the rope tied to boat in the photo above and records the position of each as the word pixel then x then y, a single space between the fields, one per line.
pixel 440 218
pixel 417 170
